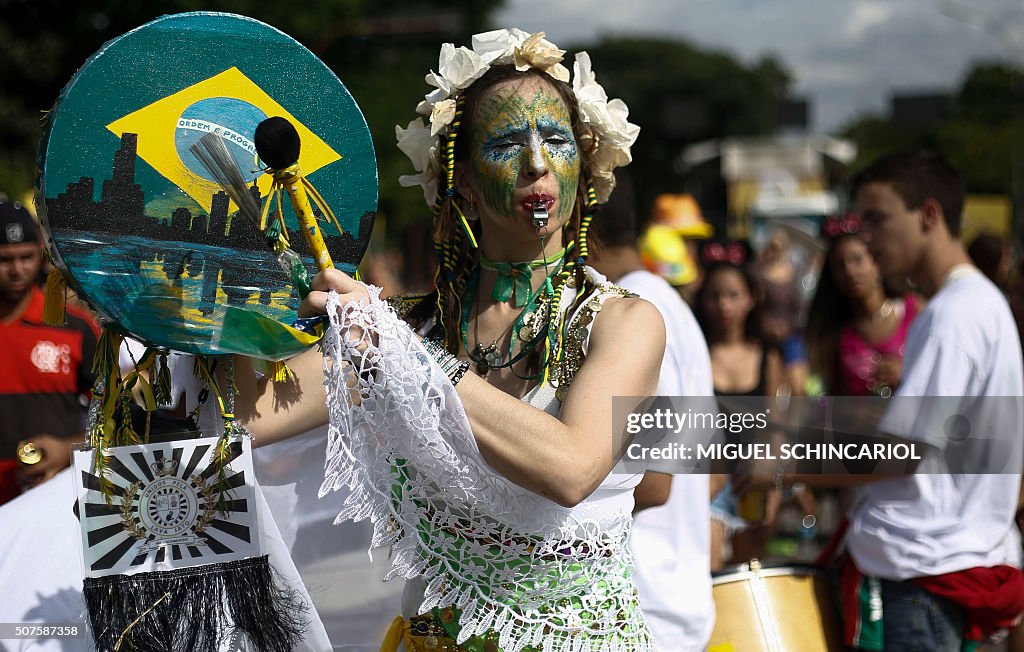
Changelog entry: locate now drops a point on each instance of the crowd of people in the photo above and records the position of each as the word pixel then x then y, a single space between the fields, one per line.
pixel 474 424
pixel 929 547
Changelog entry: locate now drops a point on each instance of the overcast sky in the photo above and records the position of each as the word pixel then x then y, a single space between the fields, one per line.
pixel 846 56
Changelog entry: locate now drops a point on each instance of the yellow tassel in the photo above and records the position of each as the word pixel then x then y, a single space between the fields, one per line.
pixel 322 205
pixel 104 365
pixel 104 361
pixel 55 299
pixel 125 434
pixel 264 213
pixel 280 373
pixel 102 467
pixel 201 370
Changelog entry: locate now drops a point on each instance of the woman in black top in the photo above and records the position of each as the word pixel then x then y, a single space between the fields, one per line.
pixel 742 365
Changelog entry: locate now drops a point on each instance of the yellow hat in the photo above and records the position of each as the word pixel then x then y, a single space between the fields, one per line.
pixel 681 212
pixel 663 251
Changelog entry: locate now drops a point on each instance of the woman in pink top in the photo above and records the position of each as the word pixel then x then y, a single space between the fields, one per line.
pixel 856 327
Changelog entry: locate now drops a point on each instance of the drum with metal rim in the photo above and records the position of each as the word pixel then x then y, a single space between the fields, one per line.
pixel 774 609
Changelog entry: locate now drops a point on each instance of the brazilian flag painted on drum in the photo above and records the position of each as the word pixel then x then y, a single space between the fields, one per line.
pixel 140 227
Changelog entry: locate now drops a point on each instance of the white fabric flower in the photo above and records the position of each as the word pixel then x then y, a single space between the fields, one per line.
pixel 604 184
pixel 621 132
pixel 428 180
pixel 584 82
pixel 540 53
pixel 498 47
pixel 441 116
pixel 416 142
pixel 610 120
pixel 438 81
pixel 460 67
pixel 559 72
pixel 442 91
pixel 422 148
pixel 610 157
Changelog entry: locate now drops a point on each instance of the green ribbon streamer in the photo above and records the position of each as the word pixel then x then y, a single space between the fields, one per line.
pixel 513 275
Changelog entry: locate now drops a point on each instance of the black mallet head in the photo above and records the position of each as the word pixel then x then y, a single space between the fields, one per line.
pixel 277 143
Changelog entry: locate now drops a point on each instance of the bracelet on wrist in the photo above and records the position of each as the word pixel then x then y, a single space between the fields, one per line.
pixel 458 372
pixel 452 367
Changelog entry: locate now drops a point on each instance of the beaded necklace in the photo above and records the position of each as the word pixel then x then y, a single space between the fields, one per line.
pixel 531 326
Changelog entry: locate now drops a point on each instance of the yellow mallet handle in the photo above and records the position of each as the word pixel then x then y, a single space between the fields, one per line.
pixel 291 180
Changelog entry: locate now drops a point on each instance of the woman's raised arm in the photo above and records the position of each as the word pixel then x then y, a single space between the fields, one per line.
pixel 565 460
pixel 276 411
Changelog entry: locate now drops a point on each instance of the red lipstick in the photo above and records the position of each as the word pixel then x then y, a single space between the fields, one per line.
pixel 543 199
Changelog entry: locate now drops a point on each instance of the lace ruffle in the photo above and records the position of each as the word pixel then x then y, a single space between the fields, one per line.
pixel 540 575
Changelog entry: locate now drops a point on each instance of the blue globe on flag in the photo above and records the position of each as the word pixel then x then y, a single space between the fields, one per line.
pixel 233 120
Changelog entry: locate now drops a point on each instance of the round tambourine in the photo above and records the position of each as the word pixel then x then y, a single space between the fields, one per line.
pixel 144 231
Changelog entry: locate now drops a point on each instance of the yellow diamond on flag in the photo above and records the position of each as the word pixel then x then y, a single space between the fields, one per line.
pixel 228 104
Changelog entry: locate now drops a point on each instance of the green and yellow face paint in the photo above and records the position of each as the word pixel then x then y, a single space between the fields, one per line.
pixel 522 130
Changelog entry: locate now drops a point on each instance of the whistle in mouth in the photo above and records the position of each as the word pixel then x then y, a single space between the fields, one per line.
pixel 540 214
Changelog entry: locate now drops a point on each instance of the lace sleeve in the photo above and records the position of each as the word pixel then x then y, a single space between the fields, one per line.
pixel 398 396
pixel 510 561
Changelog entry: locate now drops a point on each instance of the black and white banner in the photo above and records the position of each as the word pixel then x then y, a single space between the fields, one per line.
pixel 166 513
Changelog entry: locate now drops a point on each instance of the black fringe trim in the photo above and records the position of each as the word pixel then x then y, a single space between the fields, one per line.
pixel 206 606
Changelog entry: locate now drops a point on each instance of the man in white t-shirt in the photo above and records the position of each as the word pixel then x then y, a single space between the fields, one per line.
pixel 964 345
pixel 671 538
pixel 938 547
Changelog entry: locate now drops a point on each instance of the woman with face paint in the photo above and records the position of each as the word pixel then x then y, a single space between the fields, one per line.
pixel 474 426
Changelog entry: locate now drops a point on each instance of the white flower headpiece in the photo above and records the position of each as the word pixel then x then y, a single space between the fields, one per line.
pixel 608 135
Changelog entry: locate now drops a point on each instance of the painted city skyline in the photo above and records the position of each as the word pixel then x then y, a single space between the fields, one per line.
pixel 121 209
pixel 168 279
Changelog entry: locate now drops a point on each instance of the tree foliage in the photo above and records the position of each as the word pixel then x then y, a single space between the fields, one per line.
pixel 983 128
pixel 680 95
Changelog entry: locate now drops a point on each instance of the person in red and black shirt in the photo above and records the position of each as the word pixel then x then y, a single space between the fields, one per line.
pixel 44 370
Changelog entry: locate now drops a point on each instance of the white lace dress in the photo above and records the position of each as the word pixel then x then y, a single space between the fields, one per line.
pixel 496 561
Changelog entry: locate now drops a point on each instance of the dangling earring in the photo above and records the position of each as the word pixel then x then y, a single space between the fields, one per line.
pixel 470 210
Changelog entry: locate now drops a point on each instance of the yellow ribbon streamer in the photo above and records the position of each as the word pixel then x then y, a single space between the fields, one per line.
pixel 300 190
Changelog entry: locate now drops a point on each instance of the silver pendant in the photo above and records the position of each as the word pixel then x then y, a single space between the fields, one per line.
pixel 486 358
